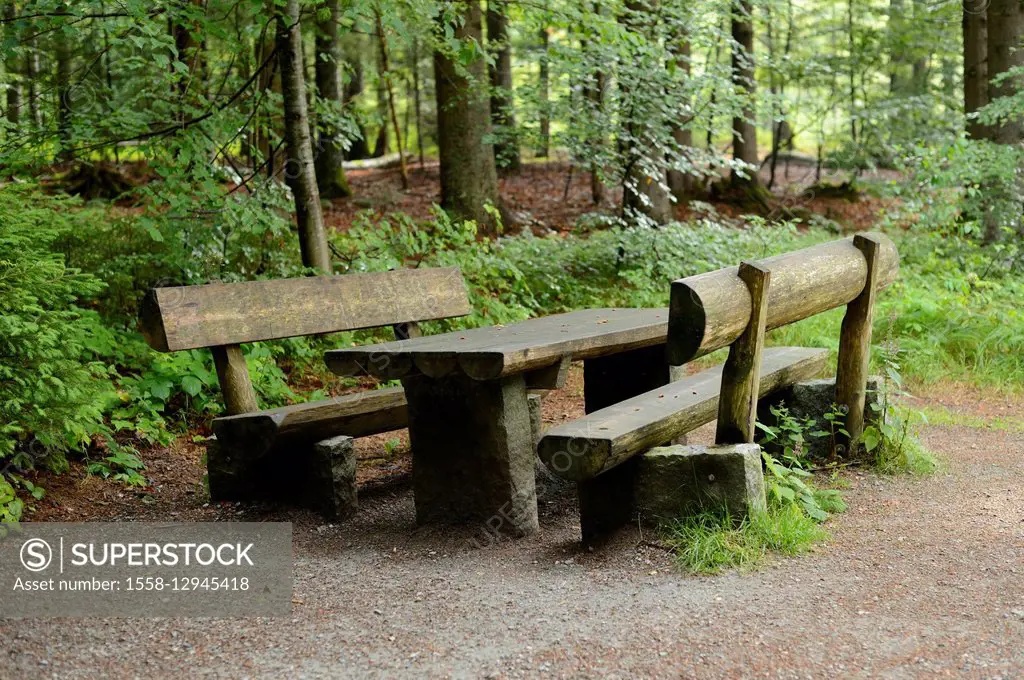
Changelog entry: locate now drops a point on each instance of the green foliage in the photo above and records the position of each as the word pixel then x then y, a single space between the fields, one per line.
pixel 710 542
pixel 52 394
pixel 789 482
pixel 893 439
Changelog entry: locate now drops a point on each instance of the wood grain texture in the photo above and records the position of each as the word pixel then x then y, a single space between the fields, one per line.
pixel 709 311
pixel 855 343
pixel 190 317
pixel 737 403
pixel 601 440
pixel 355 415
pixel 233 375
pixel 499 351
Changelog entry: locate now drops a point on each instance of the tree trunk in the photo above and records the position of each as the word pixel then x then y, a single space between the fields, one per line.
pixel 683 185
pixel 330 175
pixel 544 82
pixel 922 62
pixel 1005 31
pixel 975 29
pixel 359 148
pixel 506 148
pixel 896 49
pixel 299 171
pixel 416 97
pixel 386 74
pixel 63 58
pixel 644 190
pixel 744 130
pixel 14 86
pixel 380 147
pixel 31 75
pixel 468 176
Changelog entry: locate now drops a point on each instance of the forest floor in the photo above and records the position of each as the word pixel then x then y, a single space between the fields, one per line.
pixel 922 577
pixel 551 196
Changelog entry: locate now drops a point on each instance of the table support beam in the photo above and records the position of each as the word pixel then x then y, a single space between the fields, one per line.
pixel 473 453
pixel 604 500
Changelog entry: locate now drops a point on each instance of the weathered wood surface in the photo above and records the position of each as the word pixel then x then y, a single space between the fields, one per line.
pixel 235 384
pixel 855 342
pixel 491 353
pixel 599 441
pixel 190 317
pixel 741 373
pixel 355 415
pixel 709 311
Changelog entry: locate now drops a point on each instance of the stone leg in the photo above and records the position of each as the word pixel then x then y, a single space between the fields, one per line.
pixel 332 479
pixel 605 501
pixel 321 476
pixel 473 452
pixel 676 481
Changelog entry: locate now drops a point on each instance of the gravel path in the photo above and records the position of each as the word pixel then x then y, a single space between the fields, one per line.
pixel 923 578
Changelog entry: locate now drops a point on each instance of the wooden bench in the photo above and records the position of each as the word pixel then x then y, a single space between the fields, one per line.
pixel 731 307
pixel 273 454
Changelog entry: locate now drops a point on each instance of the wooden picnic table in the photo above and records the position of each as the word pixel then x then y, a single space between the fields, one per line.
pixel 469 424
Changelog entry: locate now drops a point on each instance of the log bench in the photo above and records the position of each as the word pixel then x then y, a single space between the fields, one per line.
pixel 300 453
pixel 731 307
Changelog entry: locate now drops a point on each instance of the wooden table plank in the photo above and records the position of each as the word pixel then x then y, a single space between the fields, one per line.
pixel 495 352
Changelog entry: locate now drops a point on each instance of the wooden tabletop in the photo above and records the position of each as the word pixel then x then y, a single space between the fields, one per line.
pixel 495 352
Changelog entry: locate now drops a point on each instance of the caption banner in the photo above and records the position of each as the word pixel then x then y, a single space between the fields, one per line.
pixel 139 569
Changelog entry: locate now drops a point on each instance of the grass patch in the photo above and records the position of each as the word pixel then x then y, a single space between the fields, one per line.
pixel 946 417
pixel 712 541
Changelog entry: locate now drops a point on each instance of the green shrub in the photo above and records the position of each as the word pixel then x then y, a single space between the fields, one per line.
pixel 52 394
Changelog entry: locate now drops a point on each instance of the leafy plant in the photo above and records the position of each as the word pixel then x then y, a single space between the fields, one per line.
pixel 789 483
pixel 893 439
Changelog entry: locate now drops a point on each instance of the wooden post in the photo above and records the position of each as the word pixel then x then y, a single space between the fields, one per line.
pixel 855 343
pixel 737 402
pixel 235 385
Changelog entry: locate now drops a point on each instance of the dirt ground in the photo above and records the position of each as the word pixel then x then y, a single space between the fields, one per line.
pixel 921 578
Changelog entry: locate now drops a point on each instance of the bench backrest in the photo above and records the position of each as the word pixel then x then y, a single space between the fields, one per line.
pixel 221 316
pixel 735 307
pixel 190 317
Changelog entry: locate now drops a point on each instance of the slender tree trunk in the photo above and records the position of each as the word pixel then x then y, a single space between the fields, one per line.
pixel 896 50
pixel 62 55
pixel 1005 52
pixel 385 63
pixel 359 148
pixel 683 185
pixel 975 29
pixel 31 75
pixel 330 173
pixel 416 97
pixel 382 144
pixel 595 93
pixel 744 129
pixel 13 87
pixel 506 148
pixel 922 62
pixel 468 176
pixel 299 171
pixel 544 93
